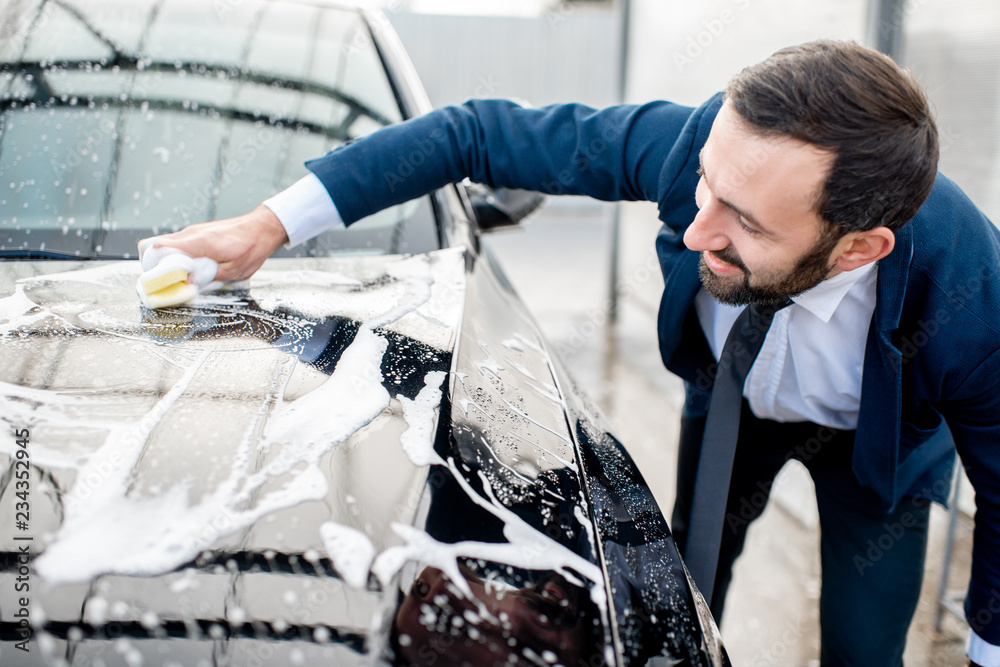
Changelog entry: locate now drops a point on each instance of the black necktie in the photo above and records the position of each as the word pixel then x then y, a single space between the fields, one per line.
pixel 718 445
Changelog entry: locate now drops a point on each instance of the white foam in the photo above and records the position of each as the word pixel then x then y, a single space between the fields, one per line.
pixel 512 344
pixel 27 405
pixel 15 311
pixel 489 363
pixel 350 550
pixel 519 368
pixel 526 548
pixel 94 514
pixel 350 398
pixel 546 390
pixel 96 610
pixel 584 521
pixel 419 297
pixel 464 403
pixel 532 344
pixel 304 278
pixel 109 274
pixel 418 439
pixel 523 415
pixel 189 581
pixel 112 528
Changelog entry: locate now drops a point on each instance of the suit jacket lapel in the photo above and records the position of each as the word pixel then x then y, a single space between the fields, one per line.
pixel 876 447
pixel 680 270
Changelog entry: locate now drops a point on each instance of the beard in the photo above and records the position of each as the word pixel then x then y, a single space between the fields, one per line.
pixel 811 269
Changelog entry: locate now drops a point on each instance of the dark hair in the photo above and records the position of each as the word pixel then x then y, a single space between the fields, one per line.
pixel 860 105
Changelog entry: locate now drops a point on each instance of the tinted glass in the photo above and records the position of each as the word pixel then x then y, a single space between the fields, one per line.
pixel 123 120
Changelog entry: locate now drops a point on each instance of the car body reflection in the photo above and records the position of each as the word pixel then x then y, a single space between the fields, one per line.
pixel 437 624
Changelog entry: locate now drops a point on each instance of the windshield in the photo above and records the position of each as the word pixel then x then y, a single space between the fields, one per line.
pixel 122 120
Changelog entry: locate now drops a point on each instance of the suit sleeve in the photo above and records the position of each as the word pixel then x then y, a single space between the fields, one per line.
pixel 974 419
pixel 612 154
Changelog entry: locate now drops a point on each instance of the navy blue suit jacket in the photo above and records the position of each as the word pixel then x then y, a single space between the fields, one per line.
pixel 931 378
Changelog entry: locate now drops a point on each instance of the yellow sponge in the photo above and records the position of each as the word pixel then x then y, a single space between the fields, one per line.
pixel 172 277
pixel 156 283
pixel 173 294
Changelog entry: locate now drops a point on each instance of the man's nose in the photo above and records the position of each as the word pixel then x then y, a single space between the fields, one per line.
pixel 707 231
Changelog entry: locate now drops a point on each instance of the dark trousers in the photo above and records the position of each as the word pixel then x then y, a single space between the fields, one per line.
pixel 872 562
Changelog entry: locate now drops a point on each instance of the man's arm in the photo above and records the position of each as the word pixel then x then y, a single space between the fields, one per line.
pixel 973 416
pixel 615 153
pixel 611 154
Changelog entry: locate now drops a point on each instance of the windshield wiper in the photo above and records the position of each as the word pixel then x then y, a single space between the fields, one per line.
pixel 34 253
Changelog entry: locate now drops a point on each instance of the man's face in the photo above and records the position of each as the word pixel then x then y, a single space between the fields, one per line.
pixel 761 239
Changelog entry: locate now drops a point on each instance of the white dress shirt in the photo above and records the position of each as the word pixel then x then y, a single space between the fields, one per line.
pixel 305 210
pixel 809 368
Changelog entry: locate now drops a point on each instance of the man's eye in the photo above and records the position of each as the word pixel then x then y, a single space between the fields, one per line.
pixel 747 228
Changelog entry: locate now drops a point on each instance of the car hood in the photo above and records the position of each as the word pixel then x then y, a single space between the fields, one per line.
pixel 156 424
pixel 265 422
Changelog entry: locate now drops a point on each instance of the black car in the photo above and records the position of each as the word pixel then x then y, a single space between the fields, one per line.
pixel 367 456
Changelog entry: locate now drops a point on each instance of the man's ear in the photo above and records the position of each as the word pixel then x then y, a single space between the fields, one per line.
pixel 860 248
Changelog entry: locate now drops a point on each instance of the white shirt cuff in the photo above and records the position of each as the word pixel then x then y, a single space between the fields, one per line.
pixel 304 209
pixel 981 652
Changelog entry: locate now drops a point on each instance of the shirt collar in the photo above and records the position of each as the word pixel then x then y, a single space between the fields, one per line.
pixel 824 299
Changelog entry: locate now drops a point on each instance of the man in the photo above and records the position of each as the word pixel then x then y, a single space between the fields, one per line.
pixel 806 181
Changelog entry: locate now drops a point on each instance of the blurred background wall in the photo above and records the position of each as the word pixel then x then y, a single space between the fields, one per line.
pixel 953 47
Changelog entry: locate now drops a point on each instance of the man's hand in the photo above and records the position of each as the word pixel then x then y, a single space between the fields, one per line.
pixel 240 245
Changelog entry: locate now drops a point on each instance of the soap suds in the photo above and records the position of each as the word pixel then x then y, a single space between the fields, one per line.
pixel 16 311
pixel 514 345
pixel 351 551
pixel 144 533
pixel 418 439
pixel 107 275
pixel 526 547
pixel 90 511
